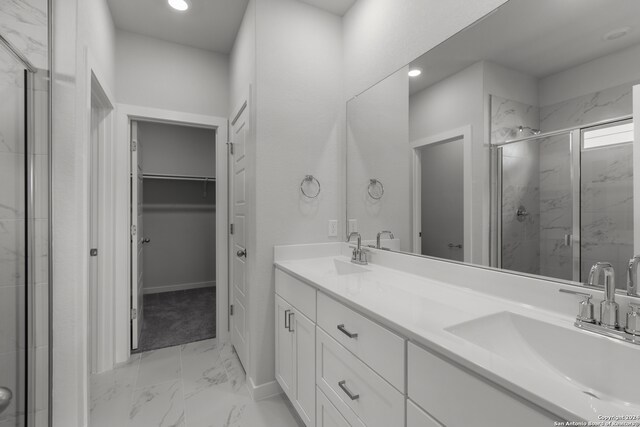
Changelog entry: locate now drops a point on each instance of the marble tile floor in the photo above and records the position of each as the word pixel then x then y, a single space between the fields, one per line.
pixel 201 384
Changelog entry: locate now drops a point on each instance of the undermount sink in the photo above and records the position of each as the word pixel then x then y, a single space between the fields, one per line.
pixel 343 268
pixel 596 365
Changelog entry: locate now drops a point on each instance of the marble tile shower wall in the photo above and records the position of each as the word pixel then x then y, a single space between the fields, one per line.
pixel 25 24
pixel 12 237
pixel 607 208
pixel 606 186
pixel 556 207
pixel 520 177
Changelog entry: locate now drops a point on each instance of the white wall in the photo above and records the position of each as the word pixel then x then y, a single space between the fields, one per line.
pixel 601 73
pixel 450 104
pixel 380 36
pixel 177 150
pixel 378 147
pixel 300 121
pixel 78 25
pixel 154 73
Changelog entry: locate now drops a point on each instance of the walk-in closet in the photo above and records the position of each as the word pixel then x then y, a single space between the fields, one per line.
pixel 176 233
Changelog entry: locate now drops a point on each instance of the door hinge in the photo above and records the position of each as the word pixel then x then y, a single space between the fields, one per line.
pixel 231 310
pixel 133 230
pixel 230 145
pixel 134 314
pixel 93 252
pixel 231 228
pixel 134 145
pixel 420 234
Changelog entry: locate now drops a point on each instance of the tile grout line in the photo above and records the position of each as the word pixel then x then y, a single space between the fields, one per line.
pixel 184 400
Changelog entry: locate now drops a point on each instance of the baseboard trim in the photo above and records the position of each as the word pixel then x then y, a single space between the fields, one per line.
pixel 263 391
pixel 178 287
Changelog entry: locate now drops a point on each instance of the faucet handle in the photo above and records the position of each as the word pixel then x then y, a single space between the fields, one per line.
pixel 633 319
pixel 585 307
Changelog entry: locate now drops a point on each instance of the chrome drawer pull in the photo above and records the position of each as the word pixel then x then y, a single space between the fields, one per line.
pixel 286 312
pixel 347 333
pixel 347 391
pixel 290 324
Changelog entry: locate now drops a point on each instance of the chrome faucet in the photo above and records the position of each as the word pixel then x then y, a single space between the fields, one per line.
pixel 359 255
pixel 608 307
pixel 380 235
pixel 632 274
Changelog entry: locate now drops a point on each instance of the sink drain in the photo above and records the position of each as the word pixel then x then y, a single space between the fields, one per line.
pixel 588 393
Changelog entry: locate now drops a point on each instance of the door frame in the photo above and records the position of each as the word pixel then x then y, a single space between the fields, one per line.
pixel 100 296
pixel 125 114
pixel 463 133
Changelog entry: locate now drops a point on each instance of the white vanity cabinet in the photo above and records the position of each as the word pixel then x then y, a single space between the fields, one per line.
pixel 341 368
pixel 295 344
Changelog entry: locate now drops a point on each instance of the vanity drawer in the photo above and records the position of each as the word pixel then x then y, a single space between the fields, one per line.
pixel 378 347
pixel 329 416
pixel 439 387
pixel 416 417
pixel 352 386
pixel 297 293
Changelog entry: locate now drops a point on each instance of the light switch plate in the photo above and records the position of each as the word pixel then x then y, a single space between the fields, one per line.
pixel 353 226
pixel 333 228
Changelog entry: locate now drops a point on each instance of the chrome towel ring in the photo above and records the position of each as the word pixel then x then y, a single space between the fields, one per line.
pixel 375 189
pixel 308 183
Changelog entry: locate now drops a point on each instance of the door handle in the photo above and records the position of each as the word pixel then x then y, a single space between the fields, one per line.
pixel 342 385
pixel 146 240
pixel 342 329
pixel 286 315
pixel 241 253
pixel 5 398
pixel 290 314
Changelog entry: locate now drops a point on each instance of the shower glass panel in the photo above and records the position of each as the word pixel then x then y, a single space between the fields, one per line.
pixel 536 206
pixel 13 243
pixel 606 188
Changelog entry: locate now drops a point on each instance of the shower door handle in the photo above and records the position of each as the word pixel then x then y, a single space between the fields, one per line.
pixel 568 239
pixel 5 398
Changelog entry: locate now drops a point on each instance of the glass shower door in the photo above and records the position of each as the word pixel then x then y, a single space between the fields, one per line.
pixel 13 242
pixel 536 213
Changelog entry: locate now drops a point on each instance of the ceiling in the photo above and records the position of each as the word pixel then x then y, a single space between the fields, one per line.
pixel 337 7
pixel 536 37
pixel 208 24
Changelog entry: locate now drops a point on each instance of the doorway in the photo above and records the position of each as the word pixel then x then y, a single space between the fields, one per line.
pixel 441 220
pixel 173 234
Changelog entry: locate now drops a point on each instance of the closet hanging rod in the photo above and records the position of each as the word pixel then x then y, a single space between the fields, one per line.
pixel 178 177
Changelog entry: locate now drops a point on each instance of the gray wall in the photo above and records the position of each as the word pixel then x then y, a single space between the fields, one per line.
pixel 178 217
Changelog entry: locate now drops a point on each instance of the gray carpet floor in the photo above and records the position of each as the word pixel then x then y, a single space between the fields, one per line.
pixel 180 317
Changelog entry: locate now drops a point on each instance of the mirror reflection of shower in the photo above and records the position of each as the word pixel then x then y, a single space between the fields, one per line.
pixel 572 195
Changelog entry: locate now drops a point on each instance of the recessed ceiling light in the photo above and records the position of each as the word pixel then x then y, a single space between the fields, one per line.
pixel 179 5
pixel 415 72
pixel 617 33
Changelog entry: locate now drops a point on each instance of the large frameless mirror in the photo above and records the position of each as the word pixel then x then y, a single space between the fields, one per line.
pixel 509 145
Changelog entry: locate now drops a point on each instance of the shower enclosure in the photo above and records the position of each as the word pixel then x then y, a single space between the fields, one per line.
pixel 565 200
pixel 23 258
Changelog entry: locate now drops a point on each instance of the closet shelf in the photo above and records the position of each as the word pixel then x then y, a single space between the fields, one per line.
pixel 178 177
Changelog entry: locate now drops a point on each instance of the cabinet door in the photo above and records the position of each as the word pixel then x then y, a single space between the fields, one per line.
pixel 284 347
pixel 304 367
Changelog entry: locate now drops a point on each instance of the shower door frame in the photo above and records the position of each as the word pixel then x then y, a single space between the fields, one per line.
pixel 575 150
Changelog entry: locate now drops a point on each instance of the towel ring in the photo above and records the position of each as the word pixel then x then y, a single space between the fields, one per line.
pixel 309 179
pixel 375 189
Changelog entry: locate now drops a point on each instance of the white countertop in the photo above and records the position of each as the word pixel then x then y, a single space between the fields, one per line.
pixel 421 308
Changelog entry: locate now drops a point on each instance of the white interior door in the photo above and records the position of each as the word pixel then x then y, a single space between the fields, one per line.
pixel 136 237
pixel 237 242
